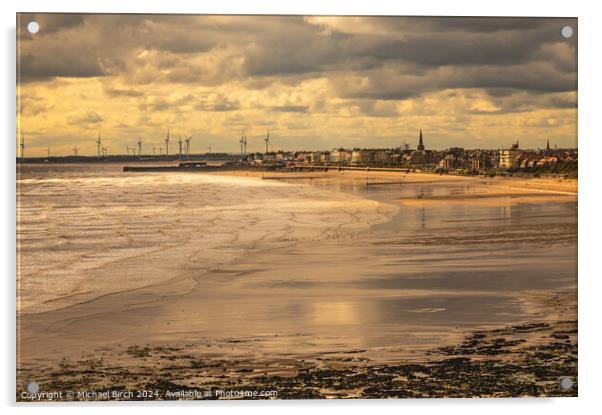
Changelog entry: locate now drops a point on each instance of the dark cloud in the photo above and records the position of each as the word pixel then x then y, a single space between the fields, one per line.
pixel 524 102
pixel 173 36
pixel 373 58
pixel 485 24
pixel 290 108
pixel 40 66
pixel 392 83
pixel 303 48
pixel 122 92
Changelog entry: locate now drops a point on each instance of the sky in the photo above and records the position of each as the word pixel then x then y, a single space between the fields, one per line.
pixel 316 82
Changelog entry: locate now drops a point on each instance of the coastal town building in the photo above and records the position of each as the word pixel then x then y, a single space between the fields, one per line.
pixel 340 156
pixel 361 156
pixel 420 142
pixel 449 162
pixel 325 157
pixel 509 156
pixel 422 156
pixel 474 164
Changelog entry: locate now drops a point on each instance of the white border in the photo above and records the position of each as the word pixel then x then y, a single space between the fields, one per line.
pixel 590 143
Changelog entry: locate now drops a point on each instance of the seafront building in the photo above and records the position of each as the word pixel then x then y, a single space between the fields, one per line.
pixel 509 156
pixel 340 156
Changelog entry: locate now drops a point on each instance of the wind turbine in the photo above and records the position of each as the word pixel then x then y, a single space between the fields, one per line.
pixel 243 145
pixel 167 144
pixel 98 144
pixel 22 145
pixel 188 145
pixel 48 152
pixel 180 145
pixel 75 150
pixel 267 142
pixel 104 151
pixel 139 147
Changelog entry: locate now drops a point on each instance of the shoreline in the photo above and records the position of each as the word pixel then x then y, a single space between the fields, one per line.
pixel 517 184
pixel 484 191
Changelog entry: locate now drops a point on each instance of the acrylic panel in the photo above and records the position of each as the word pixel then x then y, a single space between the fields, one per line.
pixel 295 207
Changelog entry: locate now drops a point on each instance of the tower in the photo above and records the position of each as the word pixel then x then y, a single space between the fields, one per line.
pixel 548 145
pixel 420 142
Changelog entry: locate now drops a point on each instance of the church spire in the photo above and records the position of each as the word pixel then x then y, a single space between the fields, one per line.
pixel 548 145
pixel 420 142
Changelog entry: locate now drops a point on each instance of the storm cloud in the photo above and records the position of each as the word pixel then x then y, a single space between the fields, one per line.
pixel 169 67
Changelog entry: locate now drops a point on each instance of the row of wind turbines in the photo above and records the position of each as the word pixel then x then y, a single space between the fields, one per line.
pixel 183 146
pixel 22 148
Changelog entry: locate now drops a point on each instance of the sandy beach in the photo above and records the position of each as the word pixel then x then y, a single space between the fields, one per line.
pixel 337 284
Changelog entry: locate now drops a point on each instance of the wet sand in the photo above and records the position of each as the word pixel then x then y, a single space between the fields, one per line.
pixel 441 299
pixel 525 360
pixel 549 185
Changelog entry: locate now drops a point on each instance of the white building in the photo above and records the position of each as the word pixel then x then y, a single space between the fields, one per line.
pixel 509 156
pixel 340 156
